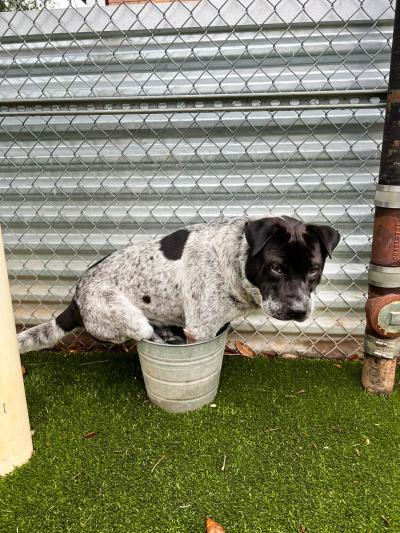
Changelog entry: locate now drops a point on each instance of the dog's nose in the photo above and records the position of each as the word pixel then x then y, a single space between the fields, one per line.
pixel 299 316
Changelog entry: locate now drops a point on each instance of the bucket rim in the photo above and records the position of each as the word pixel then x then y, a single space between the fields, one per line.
pixel 186 346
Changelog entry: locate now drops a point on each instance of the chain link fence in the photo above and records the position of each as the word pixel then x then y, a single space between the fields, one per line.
pixel 122 122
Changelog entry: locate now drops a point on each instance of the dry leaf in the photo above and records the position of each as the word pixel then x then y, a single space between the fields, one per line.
pixel 386 520
pixel 290 396
pixel 289 356
pixel 90 435
pixel 302 529
pixel 353 357
pixel 23 370
pixel 214 527
pixel 244 350
pixel 301 391
pixel 339 366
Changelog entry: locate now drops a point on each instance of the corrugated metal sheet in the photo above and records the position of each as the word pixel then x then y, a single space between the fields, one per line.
pixel 75 188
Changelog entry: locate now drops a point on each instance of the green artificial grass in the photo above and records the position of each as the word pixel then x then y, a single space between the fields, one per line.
pixel 323 460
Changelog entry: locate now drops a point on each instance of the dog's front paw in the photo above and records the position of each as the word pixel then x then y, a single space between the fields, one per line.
pixel 168 335
pixel 157 338
pixel 174 339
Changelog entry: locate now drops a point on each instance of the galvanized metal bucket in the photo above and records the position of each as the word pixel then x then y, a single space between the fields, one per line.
pixel 182 377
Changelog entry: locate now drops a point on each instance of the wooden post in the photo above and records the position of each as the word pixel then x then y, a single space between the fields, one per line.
pixel 15 435
pixel 382 339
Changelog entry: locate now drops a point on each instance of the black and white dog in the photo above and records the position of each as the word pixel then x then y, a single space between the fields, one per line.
pixel 198 278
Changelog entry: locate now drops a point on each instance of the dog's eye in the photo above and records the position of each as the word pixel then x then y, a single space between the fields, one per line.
pixel 313 271
pixel 276 269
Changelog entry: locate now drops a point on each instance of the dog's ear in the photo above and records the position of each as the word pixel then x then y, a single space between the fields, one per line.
pixel 328 237
pixel 259 232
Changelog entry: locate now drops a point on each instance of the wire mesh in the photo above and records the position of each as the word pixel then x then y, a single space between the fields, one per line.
pixel 122 122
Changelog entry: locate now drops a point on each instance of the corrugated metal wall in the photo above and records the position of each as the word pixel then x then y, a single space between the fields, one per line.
pixel 74 188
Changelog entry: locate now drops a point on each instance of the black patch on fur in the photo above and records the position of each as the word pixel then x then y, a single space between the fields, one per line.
pixel 151 258
pixel 172 245
pixel 234 300
pixel 70 318
pixel 146 299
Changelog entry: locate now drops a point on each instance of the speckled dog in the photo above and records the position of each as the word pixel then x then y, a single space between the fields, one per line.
pixel 198 278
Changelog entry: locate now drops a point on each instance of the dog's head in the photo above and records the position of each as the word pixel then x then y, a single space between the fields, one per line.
pixel 285 262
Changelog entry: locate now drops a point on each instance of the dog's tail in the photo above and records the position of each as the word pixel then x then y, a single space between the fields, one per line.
pixel 48 334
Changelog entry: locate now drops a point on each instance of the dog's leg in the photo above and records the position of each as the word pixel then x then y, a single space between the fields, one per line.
pixel 203 322
pixel 113 318
pixel 201 325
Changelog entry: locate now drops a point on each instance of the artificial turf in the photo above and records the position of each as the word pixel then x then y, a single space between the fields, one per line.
pixel 323 460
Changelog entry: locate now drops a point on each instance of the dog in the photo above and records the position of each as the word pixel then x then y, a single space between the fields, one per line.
pixel 198 278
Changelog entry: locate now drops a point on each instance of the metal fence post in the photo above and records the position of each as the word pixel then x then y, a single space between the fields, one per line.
pixel 382 339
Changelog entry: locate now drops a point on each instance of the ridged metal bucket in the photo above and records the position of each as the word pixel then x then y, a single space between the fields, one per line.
pixel 182 377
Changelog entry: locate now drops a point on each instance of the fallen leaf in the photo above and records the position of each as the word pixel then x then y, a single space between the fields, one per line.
pixel 358 452
pixel 338 429
pixel 301 391
pixel 244 350
pixel 366 441
pixel 386 520
pixel 339 366
pixel 213 527
pixel 290 396
pixel 302 529
pixel 90 435
pixel 353 357
pixel 23 370
pixel 213 405
pixel 289 356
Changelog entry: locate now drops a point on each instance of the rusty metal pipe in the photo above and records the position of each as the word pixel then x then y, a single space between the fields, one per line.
pixel 382 335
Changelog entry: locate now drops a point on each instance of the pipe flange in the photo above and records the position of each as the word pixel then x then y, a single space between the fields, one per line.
pixel 383 348
pixel 383 314
pixel 387 196
pixel 387 277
